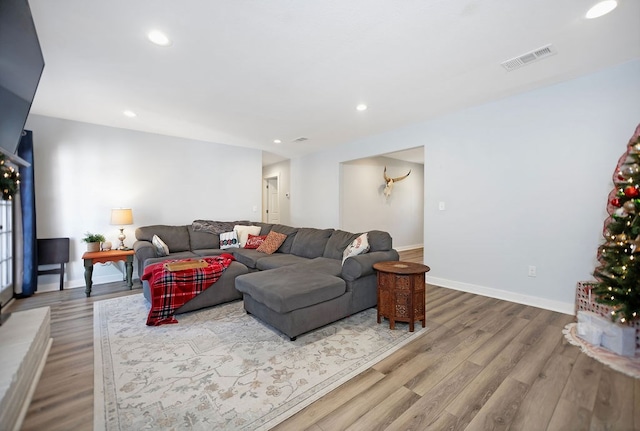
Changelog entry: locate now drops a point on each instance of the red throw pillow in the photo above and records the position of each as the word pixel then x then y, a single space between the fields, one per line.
pixel 254 241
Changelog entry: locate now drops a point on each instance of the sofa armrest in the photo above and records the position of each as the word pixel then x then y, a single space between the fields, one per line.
pixel 143 250
pixel 361 265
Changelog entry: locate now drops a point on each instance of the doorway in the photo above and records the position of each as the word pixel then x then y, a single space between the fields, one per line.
pixel 271 199
pixel 401 213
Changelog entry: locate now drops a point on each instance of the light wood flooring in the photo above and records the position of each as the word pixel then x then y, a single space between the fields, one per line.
pixel 483 364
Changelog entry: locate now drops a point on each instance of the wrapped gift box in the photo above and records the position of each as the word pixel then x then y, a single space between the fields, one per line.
pixel 590 327
pixel 601 331
pixel 585 301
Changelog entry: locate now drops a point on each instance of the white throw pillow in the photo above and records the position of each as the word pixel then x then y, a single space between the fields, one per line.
pixel 358 246
pixel 244 231
pixel 228 240
pixel 161 247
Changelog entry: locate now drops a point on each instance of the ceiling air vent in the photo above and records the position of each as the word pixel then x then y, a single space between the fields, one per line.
pixel 300 139
pixel 529 57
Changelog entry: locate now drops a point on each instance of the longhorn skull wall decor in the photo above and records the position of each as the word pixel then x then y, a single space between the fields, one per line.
pixel 389 181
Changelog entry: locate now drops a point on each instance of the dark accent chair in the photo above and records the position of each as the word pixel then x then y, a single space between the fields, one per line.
pixel 53 251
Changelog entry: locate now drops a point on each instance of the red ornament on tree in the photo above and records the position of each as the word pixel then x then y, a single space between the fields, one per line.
pixel 631 192
pixel 615 202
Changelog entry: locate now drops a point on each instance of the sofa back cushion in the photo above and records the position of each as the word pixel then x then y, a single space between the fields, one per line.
pixel 176 237
pixel 290 232
pixel 265 228
pixel 380 241
pixel 205 234
pixel 310 242
pixel 215 227
pixel 336 244
pixel 202 240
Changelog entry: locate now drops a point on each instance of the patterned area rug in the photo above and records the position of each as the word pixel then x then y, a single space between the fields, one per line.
pixel 626 365
pixel 221 368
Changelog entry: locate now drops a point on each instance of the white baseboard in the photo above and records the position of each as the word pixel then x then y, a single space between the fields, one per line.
pixel 408 247
pixel 70 284
pixel 534 301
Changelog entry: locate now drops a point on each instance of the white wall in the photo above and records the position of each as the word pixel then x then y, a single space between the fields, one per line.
pixel 83 170
pixel 364 206
pixel 315 188
pixel 525 181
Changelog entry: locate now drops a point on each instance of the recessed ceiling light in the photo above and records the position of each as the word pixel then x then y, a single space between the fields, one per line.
pixel 361 107
pixel 277 141
pixel 602 8
pixel 129 114
pixel 159 38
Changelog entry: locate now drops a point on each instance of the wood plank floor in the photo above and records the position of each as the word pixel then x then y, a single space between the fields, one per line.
pixel 483 364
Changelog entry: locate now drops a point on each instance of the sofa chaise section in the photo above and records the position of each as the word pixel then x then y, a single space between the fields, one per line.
pixel 292 301
pixel 319 290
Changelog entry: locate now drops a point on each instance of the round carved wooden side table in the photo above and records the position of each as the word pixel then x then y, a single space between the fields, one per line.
pixel 401 292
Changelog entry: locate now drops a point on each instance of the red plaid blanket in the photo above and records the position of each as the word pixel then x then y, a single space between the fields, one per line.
pixel 171 290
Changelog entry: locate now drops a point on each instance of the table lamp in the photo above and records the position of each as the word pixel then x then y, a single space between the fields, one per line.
pixel 121 217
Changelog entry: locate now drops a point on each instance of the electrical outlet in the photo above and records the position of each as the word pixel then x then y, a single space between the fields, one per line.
pixel 441 206
pixel 532 271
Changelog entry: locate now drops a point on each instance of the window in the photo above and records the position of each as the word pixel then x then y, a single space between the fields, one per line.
pixel 6 251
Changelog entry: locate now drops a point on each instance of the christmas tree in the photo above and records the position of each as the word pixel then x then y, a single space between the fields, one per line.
pixel 9 179
pixel 618 273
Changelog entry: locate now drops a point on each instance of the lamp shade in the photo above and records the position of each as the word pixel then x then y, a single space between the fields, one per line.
pixel 121 216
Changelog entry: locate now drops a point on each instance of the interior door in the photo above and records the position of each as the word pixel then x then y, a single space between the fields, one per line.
pixel 273 201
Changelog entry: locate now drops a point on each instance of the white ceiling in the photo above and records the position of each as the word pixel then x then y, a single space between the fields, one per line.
pixel 247 72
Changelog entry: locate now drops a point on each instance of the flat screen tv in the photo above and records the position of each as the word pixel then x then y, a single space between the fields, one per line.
pixel 21 65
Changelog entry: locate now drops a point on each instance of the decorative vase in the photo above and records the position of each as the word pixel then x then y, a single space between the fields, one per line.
pixel 106 246
pixel 93 246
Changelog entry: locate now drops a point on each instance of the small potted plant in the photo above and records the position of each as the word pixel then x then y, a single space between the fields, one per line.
pixel 93 241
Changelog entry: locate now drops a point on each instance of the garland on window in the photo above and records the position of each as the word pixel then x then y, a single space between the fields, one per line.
pixel 9 179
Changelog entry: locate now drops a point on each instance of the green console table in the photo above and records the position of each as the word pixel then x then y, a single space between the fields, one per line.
pixel 92 257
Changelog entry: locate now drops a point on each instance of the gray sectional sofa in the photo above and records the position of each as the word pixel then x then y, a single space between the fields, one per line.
pixel 302 286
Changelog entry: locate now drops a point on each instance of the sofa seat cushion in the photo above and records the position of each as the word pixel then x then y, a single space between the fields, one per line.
pixel 284 290
pixel 248 257
pixel 278 260
pixel 320 264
